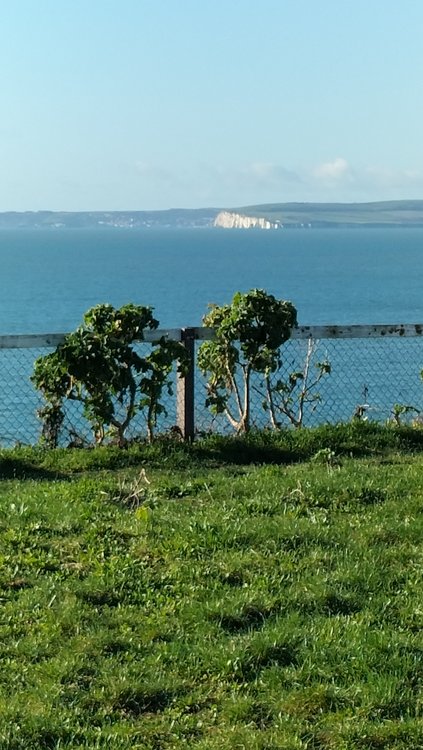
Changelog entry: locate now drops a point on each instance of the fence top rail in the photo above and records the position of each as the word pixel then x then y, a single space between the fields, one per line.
pixel 51 340
pixel 394 330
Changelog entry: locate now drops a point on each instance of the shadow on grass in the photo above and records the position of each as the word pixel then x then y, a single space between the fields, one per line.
pixel 139 701
pixel 255 659
pixel 251 617
pixel 354 439
pixel 243 452
pixel 12 467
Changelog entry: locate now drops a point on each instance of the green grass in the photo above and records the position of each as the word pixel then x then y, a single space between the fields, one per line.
pixel 255 594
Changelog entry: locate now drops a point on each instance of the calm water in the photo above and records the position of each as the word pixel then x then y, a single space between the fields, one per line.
pixel 49 278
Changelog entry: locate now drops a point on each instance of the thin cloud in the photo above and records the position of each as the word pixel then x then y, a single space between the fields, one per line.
pixel 365 182
pixel 334 170
pixel 258 181
pixel 269 173
pixel 257 175
pixel 393 178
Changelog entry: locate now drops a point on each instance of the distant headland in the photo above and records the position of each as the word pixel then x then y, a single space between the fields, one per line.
pixel 272 216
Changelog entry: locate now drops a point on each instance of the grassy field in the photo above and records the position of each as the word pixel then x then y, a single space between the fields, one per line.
pixel 256 594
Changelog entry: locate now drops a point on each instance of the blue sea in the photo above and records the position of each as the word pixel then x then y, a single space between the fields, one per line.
pixel 337 276
pixel 50 278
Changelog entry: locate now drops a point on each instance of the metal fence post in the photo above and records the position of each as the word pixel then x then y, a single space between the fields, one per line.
pixel 185 388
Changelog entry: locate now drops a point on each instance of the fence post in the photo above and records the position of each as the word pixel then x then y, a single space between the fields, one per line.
pixel 185 388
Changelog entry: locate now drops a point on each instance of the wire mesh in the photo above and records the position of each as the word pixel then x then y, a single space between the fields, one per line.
pixel 20 404
pixel 367 378
pixel 362 378
pixel 19 401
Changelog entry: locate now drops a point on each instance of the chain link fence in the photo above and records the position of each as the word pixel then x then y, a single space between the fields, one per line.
pixel 343 378
pixel 364 372
pixel 20 403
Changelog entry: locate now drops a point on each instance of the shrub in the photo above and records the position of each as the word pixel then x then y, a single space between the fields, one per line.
pixel 248 335
pixel 98 366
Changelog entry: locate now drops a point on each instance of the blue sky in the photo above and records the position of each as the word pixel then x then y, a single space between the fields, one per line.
pixel 148 104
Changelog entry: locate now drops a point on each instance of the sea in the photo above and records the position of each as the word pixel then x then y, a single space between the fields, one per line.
pixel 49 278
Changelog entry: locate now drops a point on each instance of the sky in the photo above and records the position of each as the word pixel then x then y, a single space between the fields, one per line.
pixel 152 104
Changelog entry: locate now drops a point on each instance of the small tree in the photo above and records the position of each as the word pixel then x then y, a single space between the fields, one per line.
pixel 399 412
pixel 289 397
pixel 248 334
pixel 98 366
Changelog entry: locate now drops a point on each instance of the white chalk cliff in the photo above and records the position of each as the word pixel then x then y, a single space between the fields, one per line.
pixel 229 220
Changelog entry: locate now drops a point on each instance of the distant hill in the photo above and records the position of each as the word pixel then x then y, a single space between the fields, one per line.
pixel 381 213
pixel 288 215
pixel 172 218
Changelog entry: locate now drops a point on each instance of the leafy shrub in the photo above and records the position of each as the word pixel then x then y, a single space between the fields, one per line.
pixel 98 366
pixel 248 334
